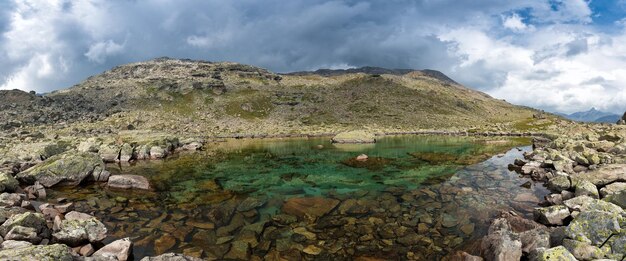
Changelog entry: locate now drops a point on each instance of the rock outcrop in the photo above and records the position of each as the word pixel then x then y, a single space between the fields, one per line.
pixel 67 169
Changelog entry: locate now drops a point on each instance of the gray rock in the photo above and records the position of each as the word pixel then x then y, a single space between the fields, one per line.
pixel 586 188
pixel 604 175
pixel 501 243
pixel 586 203
pixel 553 215
pixel 535 238
pixel 27 219
pixel 10 200
pixel 558 253
pixel 559 183
pixel 79 228
pixel 69 168
pixel 128 182
pixel 239 250
pixel 618 199
pixel 593 227
pixel 14 244
pixel 24 234
pixel 582 250
pixel 126 153
pixel 157 152
pixel 612 188
pixel 171 257
pixel 56 252
pixel 109 153
pixel 119 249
pixel 8 183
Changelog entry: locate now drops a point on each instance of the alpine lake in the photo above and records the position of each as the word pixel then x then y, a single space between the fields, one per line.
pixel 414 197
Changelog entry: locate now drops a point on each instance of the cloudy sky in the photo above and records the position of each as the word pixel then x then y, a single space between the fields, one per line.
pixel 558 55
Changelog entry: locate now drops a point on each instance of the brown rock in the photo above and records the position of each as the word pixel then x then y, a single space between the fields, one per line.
pixel 164 243
pixel 309 207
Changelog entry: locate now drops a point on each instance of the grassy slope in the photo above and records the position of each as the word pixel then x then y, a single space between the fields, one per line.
pixel 227 98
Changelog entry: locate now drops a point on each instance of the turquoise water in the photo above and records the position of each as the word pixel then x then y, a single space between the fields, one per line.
pixel 438 176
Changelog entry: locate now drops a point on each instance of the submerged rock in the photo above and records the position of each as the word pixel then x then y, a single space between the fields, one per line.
pixel 70 168
pixel 128 182
pixel 354 137
pixel 309 207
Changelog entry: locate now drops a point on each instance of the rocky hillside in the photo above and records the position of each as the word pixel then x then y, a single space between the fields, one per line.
pixel 205 98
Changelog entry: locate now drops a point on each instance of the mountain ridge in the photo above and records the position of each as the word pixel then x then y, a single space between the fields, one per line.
pixel 215 98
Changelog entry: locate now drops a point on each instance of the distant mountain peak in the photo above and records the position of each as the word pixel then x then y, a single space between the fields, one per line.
pixel 593 115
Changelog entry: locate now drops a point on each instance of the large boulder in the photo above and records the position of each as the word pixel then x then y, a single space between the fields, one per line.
pixel 56 252
pixel 586 203
pixel 79 228
pixel 501 243
pixel 313 207
pixel 594 227
pixel 120 250
pixel 354 137
pixel 604 175
pixel 128 182
pixel 613 188
pixel 70 168
pixel 586 188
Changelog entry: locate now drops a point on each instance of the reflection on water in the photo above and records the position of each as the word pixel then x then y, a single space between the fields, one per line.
pixel 415 197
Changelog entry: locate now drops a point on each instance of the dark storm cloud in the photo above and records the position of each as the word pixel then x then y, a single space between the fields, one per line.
pixel 47 45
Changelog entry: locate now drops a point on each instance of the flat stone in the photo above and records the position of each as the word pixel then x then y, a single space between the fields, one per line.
pixel 24 234
pixel 612 188
pixel 239 250
pixel 164 243
pixel 128 182
pixel 586 203
pixel 604 175
pixel 312 250
pixel 171 257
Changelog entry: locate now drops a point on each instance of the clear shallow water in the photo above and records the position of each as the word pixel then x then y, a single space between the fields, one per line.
pixel 435 194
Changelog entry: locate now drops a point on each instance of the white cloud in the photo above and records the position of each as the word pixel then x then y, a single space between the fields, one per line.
pixel 514 22
pixel 99 51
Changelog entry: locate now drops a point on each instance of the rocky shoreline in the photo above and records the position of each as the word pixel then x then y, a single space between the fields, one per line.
pixel 584 217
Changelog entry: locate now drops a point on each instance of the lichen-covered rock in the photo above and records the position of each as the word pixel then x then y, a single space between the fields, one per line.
pixel 126 153
pixel 24 234
pixel 354 137
pixel 618 199
pixel 586 203
pixel 604 175
pixel 80 228
pixel 56 252
pixel 535 238
pixel 553 215
pixel 11 199
pixel 586 188
pixel 27 219
pixel 559 183
pixel 128 182
pixel 120 249
pixel 612 188
pixel 69 168
pixel 593 227
pixel 7 212
pixel 171 257
pixel 109 153
pixel 582 250
pixel 156 152
pixel 8 183
pixel 558 253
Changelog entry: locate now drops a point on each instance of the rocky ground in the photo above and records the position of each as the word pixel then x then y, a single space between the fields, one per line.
pixel 584 218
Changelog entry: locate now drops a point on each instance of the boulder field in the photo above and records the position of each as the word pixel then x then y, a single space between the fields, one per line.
pixel 584 217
